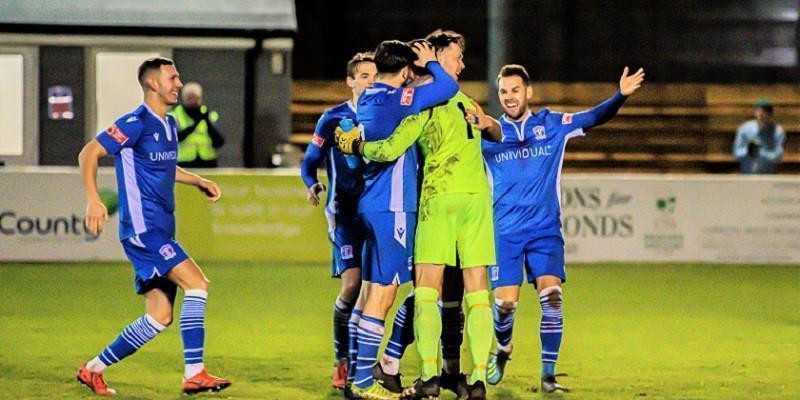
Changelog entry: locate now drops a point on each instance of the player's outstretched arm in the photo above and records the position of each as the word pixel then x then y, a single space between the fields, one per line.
pixel 403 137
pixel 489 127
pixel 88 159
pixel 388 149
pixel 207 187
pixel 603 112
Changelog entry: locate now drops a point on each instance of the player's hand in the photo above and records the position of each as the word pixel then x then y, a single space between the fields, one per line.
pixel 425 53
pixel 312 194
pixel 629 84
pixel 478 118
pixel 210 189
pixel 348 142
pixel 96 215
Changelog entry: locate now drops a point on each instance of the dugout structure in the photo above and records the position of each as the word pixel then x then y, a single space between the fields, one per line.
pixel 241 55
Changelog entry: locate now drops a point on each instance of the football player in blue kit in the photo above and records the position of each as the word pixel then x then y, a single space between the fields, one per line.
pixel 388 204
pixel 341 209
pixel 525 174
pixel 144 144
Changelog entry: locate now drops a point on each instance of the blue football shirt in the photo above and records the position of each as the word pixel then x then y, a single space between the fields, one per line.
pixel 344 171
pixel 145 150
pixel 393 186
pixel 525 167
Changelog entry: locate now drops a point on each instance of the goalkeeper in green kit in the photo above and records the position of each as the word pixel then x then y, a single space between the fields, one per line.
pixel 454 217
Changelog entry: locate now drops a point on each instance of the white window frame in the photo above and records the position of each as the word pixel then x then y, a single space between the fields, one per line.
pixel 92 128
pixel 30 109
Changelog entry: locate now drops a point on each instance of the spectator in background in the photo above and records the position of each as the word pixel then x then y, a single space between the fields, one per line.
pixel 198 135
pixel 759 142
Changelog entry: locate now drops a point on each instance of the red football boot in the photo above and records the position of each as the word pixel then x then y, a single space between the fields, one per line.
pixel 95 381
pixel 203 382
pixel 339 375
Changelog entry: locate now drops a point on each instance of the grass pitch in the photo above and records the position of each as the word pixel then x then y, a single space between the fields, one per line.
pixel 632 331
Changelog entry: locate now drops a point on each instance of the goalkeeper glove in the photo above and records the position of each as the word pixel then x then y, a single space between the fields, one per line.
pixel 348 141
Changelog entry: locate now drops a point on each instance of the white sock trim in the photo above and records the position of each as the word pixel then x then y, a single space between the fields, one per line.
pixel 389 359
pixel 390 365
pixel 499 302
pixel 156 324
pixel 96 365
pixel 370 326
pixel 196 292
pixel 191 370
pixel 546 291
pixel 343 305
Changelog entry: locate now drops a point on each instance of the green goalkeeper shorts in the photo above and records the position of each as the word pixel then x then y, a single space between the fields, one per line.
pixel 460 222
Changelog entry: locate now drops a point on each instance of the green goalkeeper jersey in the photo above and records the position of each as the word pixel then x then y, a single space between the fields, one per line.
pixel 451 149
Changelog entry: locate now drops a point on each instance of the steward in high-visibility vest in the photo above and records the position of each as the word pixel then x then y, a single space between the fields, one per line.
pixel 199 137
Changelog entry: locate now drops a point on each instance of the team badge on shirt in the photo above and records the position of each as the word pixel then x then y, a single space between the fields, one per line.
pixel 117 134
pixel 566 119
pixel 538 132
pixel 407 97
pixel 166 251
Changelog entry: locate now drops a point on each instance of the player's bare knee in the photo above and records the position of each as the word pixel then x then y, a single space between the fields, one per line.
pixel 506 306
pixel 202 284
pixel 552 295
pixel 349 291
pixel 164 318
pixel 387 297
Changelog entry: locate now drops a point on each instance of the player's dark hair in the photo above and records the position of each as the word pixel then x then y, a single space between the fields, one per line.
pixel 357 59
pixel 441 39
pixel 767 107
pixel 514 70
pixel 150 64
pixel 393 55
pixel 417 70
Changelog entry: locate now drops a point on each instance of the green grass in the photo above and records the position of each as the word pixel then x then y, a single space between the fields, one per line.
pixel 632 331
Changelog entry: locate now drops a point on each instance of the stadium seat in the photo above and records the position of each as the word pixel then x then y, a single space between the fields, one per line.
pixel 675 128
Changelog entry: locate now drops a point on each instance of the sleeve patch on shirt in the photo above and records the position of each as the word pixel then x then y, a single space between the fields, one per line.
pixel 117 134
pixel 317 140
pixel 566 119
pixel 407 97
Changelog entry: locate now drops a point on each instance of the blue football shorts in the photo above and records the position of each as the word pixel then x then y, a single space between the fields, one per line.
pixel 347 241
pixel 153 254
pixel 537 256
pixel 389 247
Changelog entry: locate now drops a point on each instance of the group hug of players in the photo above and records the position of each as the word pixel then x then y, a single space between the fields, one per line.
pixel 425 187
pixel 488 198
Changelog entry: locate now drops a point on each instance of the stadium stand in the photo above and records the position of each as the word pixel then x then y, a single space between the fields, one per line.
pixel 674 128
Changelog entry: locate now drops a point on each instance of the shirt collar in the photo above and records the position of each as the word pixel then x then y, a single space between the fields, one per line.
pixel 519 126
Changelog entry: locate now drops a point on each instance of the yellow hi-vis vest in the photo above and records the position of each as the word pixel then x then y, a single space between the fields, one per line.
pixel 198 143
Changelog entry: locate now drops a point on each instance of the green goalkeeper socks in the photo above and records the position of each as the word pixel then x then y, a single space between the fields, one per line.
pixel 428 329
pixel 479 332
